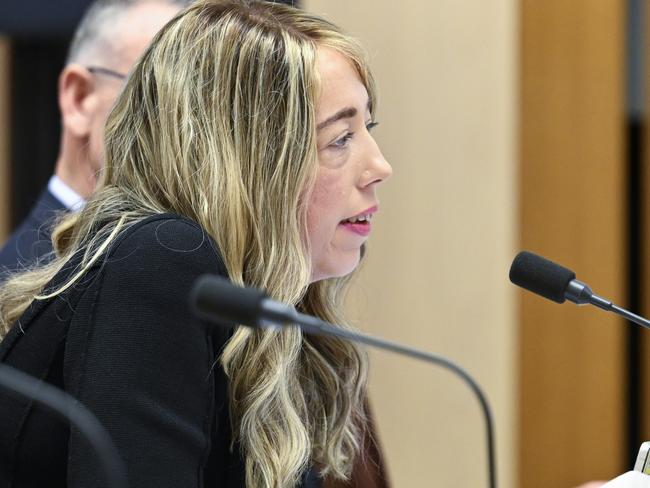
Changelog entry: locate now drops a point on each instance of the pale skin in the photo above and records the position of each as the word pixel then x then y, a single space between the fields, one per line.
pixel 85 99
pixel 350 168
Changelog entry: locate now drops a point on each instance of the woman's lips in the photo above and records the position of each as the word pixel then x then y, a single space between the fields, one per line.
pixel 359 228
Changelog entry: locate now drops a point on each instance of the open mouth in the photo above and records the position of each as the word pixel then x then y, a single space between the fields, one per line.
pixel 359 225
pixel 359 219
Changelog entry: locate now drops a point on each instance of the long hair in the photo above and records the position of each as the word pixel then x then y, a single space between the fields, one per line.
pixel 217 123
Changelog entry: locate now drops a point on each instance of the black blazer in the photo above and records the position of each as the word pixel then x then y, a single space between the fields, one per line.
pixel 122 340
pixel 32 239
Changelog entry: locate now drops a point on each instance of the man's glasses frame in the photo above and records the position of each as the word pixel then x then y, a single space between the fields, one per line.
pixel 98 70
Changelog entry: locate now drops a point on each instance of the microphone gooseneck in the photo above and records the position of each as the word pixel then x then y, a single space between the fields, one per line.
pixel 557 283
pixel 216 299
pixel 66 407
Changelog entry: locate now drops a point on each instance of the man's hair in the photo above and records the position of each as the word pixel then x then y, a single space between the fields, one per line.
pixel 91 33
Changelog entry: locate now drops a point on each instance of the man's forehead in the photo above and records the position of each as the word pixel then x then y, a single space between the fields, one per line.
pixel 132 31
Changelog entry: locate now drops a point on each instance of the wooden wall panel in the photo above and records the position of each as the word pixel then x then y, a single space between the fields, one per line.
pixel 572 385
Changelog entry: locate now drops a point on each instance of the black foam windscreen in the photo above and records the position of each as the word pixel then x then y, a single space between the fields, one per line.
pixel 541 276
pixel 217 298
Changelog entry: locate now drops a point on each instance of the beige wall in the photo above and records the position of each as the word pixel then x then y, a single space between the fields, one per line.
pixel 436 276
pixel 4 138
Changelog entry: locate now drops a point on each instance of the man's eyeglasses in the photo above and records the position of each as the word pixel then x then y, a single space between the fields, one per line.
pixel 98 70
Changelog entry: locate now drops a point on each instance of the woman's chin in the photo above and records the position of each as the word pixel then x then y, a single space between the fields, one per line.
pixel 337 269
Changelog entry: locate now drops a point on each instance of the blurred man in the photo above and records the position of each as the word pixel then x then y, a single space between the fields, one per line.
pixel 108 41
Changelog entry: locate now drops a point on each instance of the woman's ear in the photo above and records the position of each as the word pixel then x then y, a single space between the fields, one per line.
pixel 77 98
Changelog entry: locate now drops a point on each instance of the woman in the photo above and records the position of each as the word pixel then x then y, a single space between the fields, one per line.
pixel 240 146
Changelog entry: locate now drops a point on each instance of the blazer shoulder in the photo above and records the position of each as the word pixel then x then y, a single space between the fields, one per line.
pixel 166 241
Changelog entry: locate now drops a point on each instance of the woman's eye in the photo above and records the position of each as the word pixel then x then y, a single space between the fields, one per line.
pixel 342 142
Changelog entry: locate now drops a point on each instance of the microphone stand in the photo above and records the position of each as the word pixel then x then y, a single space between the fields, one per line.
pixel 580 294
pixel 216 299
pixel 315 326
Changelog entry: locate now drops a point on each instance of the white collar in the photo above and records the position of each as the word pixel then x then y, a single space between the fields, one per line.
pixel 66 195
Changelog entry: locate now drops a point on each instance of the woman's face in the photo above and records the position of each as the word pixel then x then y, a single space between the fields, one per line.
pixel 350 167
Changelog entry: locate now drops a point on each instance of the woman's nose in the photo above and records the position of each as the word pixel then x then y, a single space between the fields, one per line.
pixel 377 169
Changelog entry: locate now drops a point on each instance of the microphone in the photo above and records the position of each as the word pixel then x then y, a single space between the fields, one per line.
pixel 550 280
pixel 66 407
pixel 217 300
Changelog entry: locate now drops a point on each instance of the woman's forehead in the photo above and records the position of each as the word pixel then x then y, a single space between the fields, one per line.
pixel 340 83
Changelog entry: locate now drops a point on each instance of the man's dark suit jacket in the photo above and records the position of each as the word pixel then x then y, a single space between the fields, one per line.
pixel 31 241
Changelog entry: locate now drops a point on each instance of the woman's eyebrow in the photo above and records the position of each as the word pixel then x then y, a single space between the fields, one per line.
pixel 345 113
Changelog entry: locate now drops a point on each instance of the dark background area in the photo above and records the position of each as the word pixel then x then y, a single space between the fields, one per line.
pixel 34 118
pixel 40 18
pixel 48 18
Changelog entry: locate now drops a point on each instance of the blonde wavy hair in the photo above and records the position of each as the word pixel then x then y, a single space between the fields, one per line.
pixel 217 123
